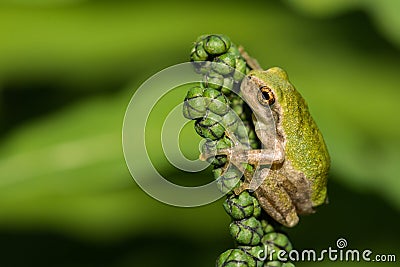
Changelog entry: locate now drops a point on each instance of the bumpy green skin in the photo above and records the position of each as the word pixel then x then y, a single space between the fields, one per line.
pixel 305 147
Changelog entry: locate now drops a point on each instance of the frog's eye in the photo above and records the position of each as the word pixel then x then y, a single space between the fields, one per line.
pixel 265 96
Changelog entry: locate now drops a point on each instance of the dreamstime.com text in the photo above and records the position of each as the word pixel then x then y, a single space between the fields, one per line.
pixel 332 254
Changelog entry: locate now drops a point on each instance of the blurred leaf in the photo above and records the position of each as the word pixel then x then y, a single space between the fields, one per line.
pixel 76 176
pixel 326 7
pixel 384 12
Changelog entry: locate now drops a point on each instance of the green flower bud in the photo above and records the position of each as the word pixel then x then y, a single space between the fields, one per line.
pixel 226 91
pixel 255 252
pixel 252 133
pixel 211 147
pixel 217 173
pixel 228 85
pixel 235 258
pixel 247 231
pixel 240 69
pixel 257 206
pixel 228 180
pixel 224 143
pixel 231 122
pixel 218 103
pixel 275 242
pixel 248 168
pixel 247 70
pixel 238 107
pixel 195 104
pixel 198 53
pixel 246 134
pixel 224 64
pixel 242 206
pixel 202 67
pixel 234 50
pixel 253 139
pixel 210 128
pixel 241 132
pixel 254 144
pixel 216 44
pixel 244 117
pixel 219 161
pixel 201 37
pixel 267 227
pixel 213 80
pixel 237 100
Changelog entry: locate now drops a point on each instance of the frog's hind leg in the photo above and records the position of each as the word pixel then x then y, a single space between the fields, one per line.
pixel 275 200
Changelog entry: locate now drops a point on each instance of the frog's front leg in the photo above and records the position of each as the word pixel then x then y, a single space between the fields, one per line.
pixel 237 156
pixel 240 153
pixel 274 198
pixel 258 158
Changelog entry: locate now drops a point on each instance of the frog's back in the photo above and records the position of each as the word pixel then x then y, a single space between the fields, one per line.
pixel 305 145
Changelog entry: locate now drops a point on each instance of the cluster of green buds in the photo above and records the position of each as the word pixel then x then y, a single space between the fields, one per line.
pixel 216 56
pixel 220 114
pixel 258 242
pixel 215 105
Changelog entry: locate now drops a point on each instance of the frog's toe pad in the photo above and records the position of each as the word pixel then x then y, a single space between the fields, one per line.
pixel 291 219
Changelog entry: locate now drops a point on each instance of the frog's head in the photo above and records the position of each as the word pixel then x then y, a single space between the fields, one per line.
pixel 263 88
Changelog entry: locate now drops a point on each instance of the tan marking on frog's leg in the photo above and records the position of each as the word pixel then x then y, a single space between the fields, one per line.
pixel 241 153
pixel 275 200
pixel 299 189
pixel 251 62
pixel 268 208
pixel 252 156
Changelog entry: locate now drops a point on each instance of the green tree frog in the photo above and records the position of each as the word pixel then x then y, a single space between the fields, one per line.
pixel 293 173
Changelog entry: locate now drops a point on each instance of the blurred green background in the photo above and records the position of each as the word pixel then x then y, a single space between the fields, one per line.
pixel 68 69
